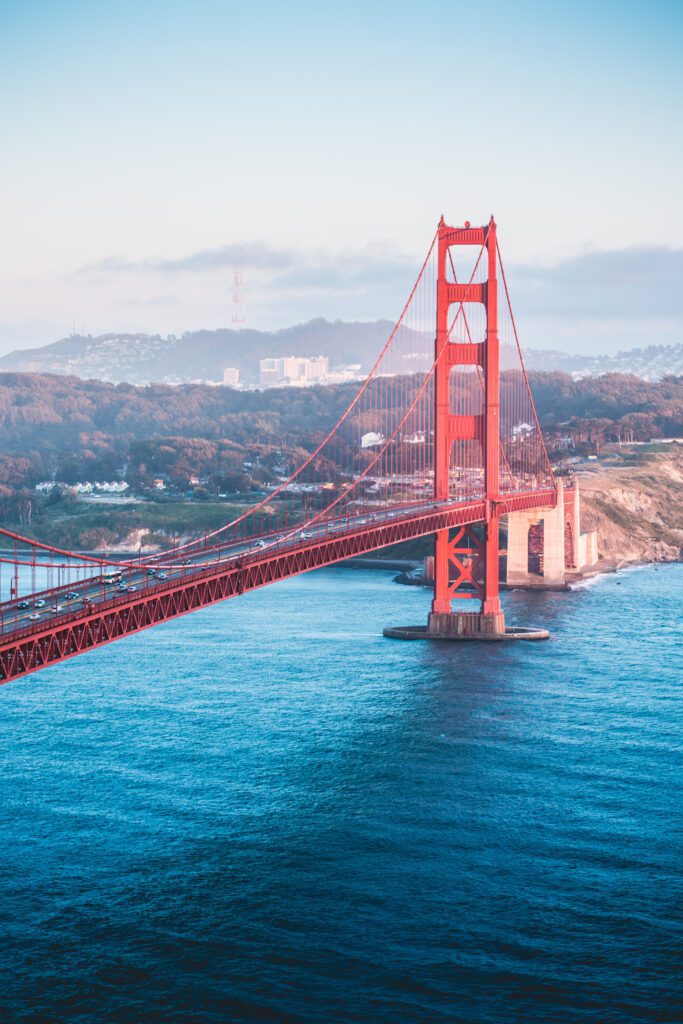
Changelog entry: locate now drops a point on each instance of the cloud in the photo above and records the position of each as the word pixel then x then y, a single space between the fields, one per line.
pixel 257 255
pixel 642 282
pixel 355 272
pixel 601 286
pixel 290 269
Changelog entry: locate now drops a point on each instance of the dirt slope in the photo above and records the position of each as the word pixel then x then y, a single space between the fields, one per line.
pixel 634 498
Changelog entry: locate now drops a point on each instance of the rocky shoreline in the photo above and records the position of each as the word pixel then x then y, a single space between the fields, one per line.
pixel 635 502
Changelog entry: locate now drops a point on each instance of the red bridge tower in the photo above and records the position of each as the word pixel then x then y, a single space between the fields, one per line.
pixel 464 567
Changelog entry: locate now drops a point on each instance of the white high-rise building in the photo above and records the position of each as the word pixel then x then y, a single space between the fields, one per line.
pixel 287 371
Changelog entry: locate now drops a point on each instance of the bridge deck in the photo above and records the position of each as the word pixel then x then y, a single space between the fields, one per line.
pixel 26 646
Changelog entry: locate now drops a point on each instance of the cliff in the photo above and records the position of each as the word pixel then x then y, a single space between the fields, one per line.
pixel 634 499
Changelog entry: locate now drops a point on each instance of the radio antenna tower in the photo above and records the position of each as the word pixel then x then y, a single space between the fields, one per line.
pixel 238 317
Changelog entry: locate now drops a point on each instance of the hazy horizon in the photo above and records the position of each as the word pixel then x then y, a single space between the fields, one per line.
pixel 292 327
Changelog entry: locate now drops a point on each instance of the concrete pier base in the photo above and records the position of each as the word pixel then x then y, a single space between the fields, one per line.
pixel 465 626
pixel 546 545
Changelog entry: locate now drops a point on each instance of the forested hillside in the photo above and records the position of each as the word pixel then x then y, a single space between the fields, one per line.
pixel 67 429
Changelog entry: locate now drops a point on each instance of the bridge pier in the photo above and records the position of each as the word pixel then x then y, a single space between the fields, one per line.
pixel 465 626
pixel 457 625
pixel 546 546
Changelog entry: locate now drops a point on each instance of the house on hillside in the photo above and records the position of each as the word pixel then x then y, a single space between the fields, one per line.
pixel 371 440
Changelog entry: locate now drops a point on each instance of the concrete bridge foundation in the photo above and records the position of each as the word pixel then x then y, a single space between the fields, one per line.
pixel 546 545
pixel 465 626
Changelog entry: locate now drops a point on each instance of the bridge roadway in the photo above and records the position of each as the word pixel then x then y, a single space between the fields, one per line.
pixel 33 637
pixel 48 604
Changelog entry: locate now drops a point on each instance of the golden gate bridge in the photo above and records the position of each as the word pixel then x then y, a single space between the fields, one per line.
pixel 442 437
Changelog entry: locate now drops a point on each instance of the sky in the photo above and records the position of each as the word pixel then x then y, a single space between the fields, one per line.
pixel 147 148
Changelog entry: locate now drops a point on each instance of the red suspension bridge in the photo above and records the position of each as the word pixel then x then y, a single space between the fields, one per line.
pixel 442 437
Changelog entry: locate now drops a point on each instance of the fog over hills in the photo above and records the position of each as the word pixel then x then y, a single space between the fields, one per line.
pixel 650 363
pixel 202 355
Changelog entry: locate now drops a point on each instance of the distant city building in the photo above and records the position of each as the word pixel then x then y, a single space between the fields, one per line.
pixel 297 371
pixel 271 371
pixel 316 368
pixel 344 373
pixel 231 377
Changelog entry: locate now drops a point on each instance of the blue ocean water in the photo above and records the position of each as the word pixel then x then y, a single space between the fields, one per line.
pixel 266 811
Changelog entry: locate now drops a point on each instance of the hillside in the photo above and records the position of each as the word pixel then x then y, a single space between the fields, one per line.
pixel 212 445
pixel 199 355
pixel 634 499
pixel 67 429
pixel 202 355
pixel 651 363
